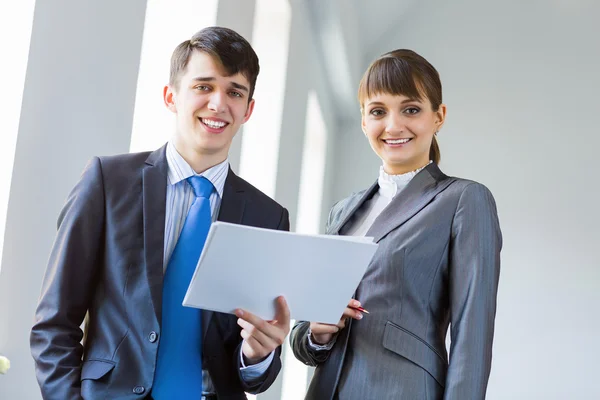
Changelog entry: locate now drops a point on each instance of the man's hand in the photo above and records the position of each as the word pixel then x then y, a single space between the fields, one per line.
pixel 323 333
pixel 262 337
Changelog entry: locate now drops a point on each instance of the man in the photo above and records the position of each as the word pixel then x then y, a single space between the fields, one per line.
pixel 128 241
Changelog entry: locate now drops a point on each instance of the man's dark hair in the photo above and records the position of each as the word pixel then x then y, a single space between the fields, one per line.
pixel 229 48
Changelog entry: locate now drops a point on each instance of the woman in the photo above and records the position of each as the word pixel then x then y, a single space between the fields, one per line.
pixel 437 264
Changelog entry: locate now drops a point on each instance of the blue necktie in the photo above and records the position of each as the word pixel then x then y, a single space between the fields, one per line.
pixel 178 372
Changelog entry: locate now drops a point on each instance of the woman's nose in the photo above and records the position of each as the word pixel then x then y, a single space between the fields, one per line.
pixel 395 124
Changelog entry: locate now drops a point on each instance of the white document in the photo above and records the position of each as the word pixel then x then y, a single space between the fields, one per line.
pixel 248 268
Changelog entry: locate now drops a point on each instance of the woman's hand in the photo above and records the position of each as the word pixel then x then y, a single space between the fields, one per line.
pixel 323 333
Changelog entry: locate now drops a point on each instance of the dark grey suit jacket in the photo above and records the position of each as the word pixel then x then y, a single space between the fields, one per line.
pixel 437 264
pixel 107 261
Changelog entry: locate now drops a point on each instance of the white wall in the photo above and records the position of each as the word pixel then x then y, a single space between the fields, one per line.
pixel 521 80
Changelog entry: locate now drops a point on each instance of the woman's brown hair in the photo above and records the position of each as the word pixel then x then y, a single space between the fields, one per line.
pixel 404 72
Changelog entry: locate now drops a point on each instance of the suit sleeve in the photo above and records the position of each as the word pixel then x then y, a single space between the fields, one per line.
pixel 67 288
pixel 474 271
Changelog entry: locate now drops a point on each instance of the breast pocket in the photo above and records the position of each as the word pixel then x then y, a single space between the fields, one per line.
pixel 416 350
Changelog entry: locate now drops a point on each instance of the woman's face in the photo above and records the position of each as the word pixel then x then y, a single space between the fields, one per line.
pixel 400 130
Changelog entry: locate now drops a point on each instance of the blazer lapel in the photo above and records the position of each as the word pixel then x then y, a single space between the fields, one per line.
pixel 233 202
pixel 232 210
pixel 154 183
pixel 358 202
pixel 416 195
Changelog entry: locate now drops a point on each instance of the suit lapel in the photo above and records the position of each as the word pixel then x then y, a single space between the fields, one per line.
pixel 234 201
pixel 416 195
pixel 353 206
pixel 154 183
pixel 232 210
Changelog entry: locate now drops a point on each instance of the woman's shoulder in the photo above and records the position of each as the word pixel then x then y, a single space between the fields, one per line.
pixel 462 186
pixel 470 193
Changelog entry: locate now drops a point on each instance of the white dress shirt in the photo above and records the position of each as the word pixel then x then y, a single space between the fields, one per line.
pixel 180 197
pixel 389 187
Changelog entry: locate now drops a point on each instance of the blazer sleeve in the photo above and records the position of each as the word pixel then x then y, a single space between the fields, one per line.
pixel 474 271
pixel 67 288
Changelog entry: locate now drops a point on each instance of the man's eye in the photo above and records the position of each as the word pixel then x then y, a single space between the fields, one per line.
pixel 236 94
pixel 201 87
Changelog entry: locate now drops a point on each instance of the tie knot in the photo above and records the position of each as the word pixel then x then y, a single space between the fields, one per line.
pixel 202 186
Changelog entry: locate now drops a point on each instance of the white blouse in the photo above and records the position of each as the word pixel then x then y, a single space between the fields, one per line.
pixel 389 186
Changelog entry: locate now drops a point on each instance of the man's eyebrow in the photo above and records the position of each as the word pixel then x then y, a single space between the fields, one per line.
pixel 240 86
pixel 203 78
pixel 236 85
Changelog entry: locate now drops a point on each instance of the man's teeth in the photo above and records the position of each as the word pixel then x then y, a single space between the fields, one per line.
pixel 397 141
pixel 214 124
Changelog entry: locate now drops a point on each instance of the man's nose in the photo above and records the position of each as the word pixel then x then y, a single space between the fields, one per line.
pixel 216 102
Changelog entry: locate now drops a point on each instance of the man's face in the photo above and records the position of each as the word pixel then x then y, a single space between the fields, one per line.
pixel 209 105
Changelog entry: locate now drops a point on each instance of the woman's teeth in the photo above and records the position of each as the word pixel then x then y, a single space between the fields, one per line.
pixel 397 141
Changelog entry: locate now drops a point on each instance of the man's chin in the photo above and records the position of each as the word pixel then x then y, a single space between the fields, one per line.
pixel 209 148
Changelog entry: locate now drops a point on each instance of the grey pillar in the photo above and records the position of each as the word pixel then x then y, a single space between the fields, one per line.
pixel 78 101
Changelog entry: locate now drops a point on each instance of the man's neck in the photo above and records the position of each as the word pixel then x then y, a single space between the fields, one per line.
pixel 199 162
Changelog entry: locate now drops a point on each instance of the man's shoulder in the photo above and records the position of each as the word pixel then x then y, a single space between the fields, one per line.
pixel 124 160
pixel 128 165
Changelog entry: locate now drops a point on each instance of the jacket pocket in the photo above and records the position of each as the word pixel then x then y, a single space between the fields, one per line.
pixel 416 350
pixel 96 369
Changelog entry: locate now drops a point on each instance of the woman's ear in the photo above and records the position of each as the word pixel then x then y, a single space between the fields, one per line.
pixel 440 117
pixel 362 123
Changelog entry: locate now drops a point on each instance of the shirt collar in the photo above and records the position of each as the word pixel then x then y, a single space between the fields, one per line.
pixel 178 170
pixel 390 185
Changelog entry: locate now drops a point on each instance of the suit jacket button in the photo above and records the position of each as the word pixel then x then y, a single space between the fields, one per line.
pixel 139 390
pixel 152 337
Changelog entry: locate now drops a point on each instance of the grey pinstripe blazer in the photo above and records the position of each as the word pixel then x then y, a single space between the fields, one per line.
pixel 437 265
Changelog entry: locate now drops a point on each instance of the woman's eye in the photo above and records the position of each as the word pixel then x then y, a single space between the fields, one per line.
pixel 412 110
pixel 376 112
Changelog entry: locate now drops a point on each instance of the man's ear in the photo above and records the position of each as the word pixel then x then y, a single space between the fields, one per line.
pixel 249 111
pixel 169 98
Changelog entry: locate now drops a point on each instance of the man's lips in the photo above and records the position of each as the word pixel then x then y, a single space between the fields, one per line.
pixel 214 123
